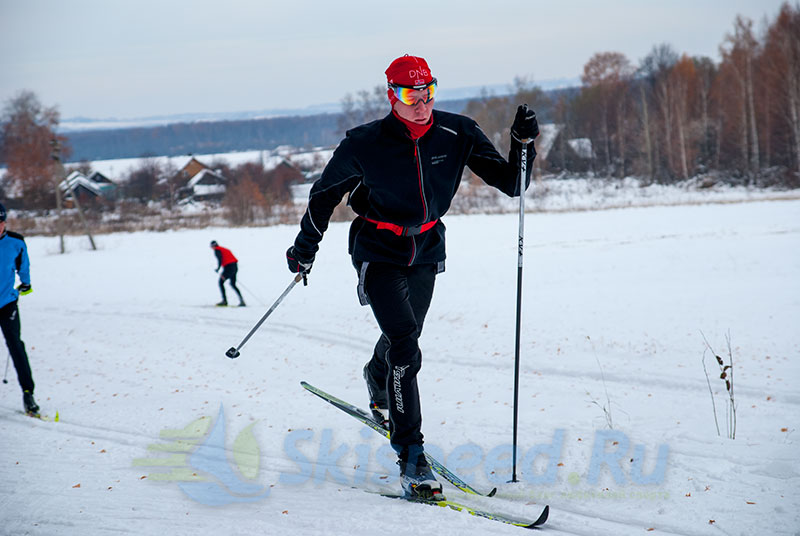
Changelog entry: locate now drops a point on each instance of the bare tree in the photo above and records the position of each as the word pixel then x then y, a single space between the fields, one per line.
pixel 683 80
pixel 143 182
pixel 244 202
pixel 706 73
pixel 782 70
pixel 363 107
pixel 655 68
pixel 738 56
pixel 645 126
pixel 171 181
pixel 27 130
pixel 494 114
pixel 606 75
pixel 279 182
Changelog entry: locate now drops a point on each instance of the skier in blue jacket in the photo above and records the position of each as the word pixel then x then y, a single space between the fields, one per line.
pixel 14 261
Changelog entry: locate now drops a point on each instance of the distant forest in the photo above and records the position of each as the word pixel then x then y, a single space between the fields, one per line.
pixel 204 137
pixel 209 137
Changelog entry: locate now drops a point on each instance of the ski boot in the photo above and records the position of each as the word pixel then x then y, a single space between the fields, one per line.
pixel 416 477
pixel 31 407
pixel 378 401
pixel 380 414
pixel 242 304
pixel 223 303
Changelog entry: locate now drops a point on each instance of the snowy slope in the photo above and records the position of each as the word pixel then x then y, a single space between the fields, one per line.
pixel 127 348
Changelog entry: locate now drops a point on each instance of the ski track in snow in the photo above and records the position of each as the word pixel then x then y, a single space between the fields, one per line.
pixel 124 343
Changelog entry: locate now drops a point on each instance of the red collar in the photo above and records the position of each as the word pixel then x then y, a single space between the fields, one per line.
pixel 415 130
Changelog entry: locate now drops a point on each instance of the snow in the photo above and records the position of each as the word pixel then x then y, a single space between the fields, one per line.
pixel 127 348
pixel 117 169
pixel 582 147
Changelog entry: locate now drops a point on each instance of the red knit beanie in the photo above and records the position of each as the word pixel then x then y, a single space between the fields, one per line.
pixel 407 71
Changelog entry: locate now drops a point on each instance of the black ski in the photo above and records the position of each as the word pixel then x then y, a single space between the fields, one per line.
pixel 477 512
pixel 367 419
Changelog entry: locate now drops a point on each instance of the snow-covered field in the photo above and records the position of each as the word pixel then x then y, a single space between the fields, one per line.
pixel 129 352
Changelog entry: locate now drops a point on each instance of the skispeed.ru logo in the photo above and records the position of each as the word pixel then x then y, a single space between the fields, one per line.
pixel 197 460
pixel 559 467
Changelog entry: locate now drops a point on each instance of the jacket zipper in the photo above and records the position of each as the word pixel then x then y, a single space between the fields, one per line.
pixel 422 198
pixel 421 182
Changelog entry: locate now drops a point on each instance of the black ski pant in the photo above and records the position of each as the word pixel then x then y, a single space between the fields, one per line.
pixel 229 272
pixel 10 324
pixel 399 297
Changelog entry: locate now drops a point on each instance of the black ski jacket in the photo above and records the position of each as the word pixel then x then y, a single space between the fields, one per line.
pixel 392 178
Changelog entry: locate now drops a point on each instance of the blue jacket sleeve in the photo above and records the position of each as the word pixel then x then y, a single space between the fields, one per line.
pixel 24 265
pixel 13 262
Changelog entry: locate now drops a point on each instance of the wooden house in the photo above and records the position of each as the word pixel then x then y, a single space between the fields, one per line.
pixel 198 182
pixel 95 187
pixel 555 152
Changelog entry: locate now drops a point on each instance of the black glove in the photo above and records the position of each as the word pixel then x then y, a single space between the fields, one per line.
pixel 298 263
pixel 525 126
pixel 24 289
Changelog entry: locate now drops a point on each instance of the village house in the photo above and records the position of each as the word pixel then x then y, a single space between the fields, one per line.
pixel 95 187
pixel 556 153
pixel 198 182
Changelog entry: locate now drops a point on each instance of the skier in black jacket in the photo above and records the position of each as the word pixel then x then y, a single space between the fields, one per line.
pixel 401 173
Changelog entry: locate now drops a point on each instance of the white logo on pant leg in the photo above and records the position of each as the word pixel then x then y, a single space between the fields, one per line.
pixel 398 396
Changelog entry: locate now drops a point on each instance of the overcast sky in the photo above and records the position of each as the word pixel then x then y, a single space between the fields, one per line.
pixel 127 59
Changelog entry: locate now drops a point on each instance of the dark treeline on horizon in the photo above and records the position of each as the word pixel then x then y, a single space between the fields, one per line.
pixel 204 137
pixel 210 137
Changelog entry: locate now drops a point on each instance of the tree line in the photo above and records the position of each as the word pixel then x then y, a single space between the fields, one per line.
pixel 670 117
pixel 673 117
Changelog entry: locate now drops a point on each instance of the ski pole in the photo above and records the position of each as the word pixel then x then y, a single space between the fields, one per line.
pixel 523 164
pixel 260 301
pixel 5 376
pixel 232 352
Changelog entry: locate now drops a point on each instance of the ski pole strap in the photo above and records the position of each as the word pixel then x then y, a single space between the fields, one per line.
pixel 399 230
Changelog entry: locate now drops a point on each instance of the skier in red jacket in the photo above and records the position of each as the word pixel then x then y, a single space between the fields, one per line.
pixel 229 265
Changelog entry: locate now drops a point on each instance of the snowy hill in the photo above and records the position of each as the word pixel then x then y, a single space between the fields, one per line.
pixel 617 430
